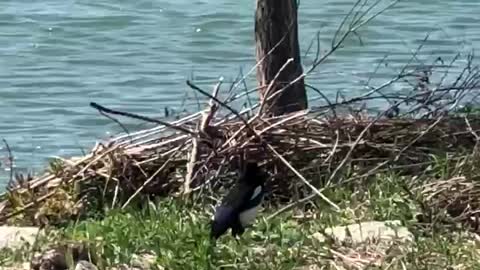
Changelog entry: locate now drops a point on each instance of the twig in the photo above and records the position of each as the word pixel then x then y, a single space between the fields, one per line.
pixel 97 158
pixel 357 141
pixel 155 130
pixel 212 108
pixel 272 84
pixel 118 122
pixel 191 166
pixel 10 161
pixel 291 205
pixel 195 153
pixel 329 103
pixel 26 207
pixel 151 178
pixel 318 193
pixel 282 121
pixel 334 149
pixel 311 196
pixel 471 130
pixel 223 104
pixel 143 118
pixel 418 138
pixel 194 87
pixel 259 62
pixel 354 26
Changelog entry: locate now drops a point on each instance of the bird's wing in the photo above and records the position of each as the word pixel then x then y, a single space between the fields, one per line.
pixel 254 198
pixel 242 197
pixel 222 220
pixel 230 206
pixel 238 196
pixel 223 214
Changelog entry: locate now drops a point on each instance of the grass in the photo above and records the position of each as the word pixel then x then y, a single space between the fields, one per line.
pixel 176 233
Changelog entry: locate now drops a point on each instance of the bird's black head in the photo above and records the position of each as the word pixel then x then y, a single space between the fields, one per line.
pixel 252 174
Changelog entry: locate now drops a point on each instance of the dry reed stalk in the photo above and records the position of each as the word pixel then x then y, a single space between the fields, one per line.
pixel 207 116
pixel 271 86
pixel 5 217
pixel 304 180
pixel 157 172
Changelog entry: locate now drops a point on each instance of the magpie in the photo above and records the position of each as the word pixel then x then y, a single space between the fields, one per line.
pixel 239 207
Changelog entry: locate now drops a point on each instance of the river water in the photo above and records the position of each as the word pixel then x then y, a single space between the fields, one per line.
pixel 58 55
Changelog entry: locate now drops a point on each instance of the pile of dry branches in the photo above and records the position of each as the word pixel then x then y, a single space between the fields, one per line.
pixel 304 152
pixel 199 152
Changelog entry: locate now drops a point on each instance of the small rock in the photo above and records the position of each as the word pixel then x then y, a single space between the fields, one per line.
pixel 359 233
pixel 53 260
pixel 309 267
pixel 18 266
pixel 121 267
pixel 85 265
pixel 14 237
pixel 144 261
pixel 56 258
pixel 259 251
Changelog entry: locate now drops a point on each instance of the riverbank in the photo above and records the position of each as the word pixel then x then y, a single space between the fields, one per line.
pixel 419 174
pixel 173 234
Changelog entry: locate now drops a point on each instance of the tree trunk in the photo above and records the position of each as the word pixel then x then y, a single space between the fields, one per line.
pixel 276 20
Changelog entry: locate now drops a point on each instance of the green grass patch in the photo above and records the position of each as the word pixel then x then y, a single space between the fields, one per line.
pixel 176 233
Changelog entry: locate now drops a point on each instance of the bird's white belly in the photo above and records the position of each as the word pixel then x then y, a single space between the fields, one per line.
pixel 247 217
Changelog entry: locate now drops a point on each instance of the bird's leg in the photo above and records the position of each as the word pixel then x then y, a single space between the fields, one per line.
pixel 237 239
pixel 236 235
pixel 237 231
